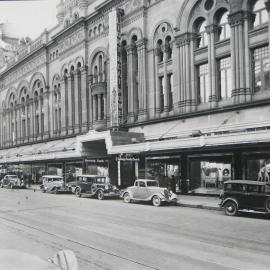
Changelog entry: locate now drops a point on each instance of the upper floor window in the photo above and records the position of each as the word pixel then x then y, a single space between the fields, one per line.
pixel 202 40
pixel 203 83
pixel 261 72
pixel 224 28
pixel 260 13
pixel 225 77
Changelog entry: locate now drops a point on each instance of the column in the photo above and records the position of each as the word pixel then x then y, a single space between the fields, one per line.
pixel 267 5
pixel 141 45
pixel 192 76
pixel 99 106
pixel 76 102
pixel 131 113
pixel 94 108
pixel 91 106
pixel 19 121
pixel 165 86
pixel 157 92
pixel 40 117
pixel 84 96
pixel 105 106
pixel 46 112
pixel 70 100
pixel 212 65
pixel 32 119
pixel 63 108
pixel 240 56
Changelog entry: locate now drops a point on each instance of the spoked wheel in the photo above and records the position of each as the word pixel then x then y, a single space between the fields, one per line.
pixel 127 198
pixel 156 201
pixel 100 195
pixel 230 208
pixel 78 192
pixel 267 205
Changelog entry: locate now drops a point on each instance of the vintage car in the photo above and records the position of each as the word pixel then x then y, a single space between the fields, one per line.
pixel 245 195
pixel 12 181
pixel 93 185
pixel 53 183
pixel 148 190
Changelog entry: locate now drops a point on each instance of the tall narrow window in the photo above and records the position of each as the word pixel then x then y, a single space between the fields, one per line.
pixel 261 72
pixel 161 85
pixel 225 77
pixel 203 39
pixel 170 93
pixel 203 83
pixel 260 13
pixel 224 28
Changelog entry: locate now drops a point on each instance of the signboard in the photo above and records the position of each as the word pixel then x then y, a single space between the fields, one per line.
pixel 116 104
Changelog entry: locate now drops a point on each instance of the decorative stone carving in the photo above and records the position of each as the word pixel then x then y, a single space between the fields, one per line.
pixel 71 41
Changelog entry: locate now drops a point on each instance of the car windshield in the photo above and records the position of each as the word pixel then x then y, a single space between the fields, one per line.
pixel 152 184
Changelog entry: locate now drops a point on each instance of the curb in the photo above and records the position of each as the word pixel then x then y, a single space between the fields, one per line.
pixel 200 206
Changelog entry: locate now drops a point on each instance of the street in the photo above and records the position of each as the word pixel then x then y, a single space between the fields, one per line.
pixel 110 234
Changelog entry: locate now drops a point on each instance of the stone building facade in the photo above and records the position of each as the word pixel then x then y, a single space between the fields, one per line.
pixel 165 89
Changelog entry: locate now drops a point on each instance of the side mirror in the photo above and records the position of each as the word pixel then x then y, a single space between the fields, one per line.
pixel 65 259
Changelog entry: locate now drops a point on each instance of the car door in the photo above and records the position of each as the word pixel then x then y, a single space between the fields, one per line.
pixel 141 191
pixel 256 196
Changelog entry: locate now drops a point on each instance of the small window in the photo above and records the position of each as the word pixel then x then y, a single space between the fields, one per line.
pixel 142 184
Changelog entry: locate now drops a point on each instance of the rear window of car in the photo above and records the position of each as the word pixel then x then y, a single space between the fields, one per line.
pixel 255 188
pixel 152 184
pixel 235 187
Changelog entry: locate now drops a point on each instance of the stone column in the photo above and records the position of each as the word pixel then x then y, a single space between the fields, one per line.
pixel 46 131
pixel 141 45
pixel 105 105
pixel 158 90
pixel 94 108
pixel 19 123
pixel 40 118
pixel 76 102
pixel 84 96
pixel 165 82
pixel 70 101
pixel 239 56
pixel 63 108
pixel 212 65
pixel 99 106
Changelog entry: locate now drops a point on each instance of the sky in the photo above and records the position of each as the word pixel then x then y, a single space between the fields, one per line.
pixel 29 17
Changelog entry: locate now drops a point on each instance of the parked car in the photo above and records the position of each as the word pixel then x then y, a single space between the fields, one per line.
pixel 148 190
pixel 245 195
pixel 53 183
pixel 93 185
pixel 12 181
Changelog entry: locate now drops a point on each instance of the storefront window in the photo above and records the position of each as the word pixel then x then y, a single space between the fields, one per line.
pixel 164 169
pixel 55 169
pixel 258 169
pixel 208 175
pixel 38 170
pixel 97 167
pixel 72 170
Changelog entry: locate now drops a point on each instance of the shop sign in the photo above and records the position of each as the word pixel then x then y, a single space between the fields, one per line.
pixel 96 160
pixel 116 105
pixel 127 157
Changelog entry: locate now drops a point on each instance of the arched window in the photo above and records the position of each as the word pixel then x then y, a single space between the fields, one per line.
pixel 202 38
pixel 260 13
pixel 224 28
pixel 160 51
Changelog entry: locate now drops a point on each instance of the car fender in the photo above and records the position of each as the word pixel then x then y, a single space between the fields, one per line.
pixel 129 192
pixel 156 194
pixel 97 190
pixel 230 199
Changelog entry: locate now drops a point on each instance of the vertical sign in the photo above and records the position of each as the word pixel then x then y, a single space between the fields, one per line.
pixel 115 67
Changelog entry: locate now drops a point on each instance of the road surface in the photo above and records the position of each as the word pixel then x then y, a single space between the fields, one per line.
pixel 110 234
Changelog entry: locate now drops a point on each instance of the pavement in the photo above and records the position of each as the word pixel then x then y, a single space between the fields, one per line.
pixel 192 201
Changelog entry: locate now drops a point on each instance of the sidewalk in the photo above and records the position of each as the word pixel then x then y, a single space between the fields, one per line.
pixel 193 201
pixel 202 202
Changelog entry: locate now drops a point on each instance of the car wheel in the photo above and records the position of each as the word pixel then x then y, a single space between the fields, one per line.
pixel 267 205
pixel 230 208
pixel 11 186
pixel 43 190
pixel 100 195
pixel 127 198
pixel 156 201
pixel 78 192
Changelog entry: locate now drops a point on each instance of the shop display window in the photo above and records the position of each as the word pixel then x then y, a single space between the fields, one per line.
pixel 258 169
pixel 208 176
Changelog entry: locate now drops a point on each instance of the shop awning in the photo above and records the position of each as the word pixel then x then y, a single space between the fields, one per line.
pixel 58 149
pixel 237 138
